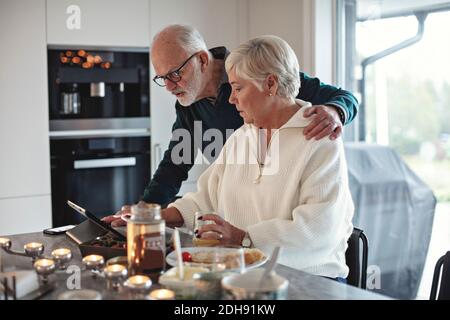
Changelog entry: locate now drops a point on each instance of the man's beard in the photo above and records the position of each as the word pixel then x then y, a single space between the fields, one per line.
pixel 192 90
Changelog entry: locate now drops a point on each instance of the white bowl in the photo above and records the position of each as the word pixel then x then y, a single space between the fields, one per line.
pixel 184 289
pixel 248 285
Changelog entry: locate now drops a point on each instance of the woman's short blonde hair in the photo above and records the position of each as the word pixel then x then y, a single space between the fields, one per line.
pixel 261 56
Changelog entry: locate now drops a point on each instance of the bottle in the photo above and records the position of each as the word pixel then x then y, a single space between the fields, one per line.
pixel 98 59
pixel 65 60
pixel 76 61
pixel 90 58
pixel 87 65
pixel 81 53
pixel 146 241
pixel 105 65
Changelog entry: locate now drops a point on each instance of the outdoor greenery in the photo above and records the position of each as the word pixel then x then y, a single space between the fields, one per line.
pixel 410 90
pixel 419 128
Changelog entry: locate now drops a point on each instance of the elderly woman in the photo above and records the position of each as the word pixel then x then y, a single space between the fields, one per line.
pixel 270 186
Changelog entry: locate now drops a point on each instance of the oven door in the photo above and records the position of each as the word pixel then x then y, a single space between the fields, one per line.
pixel 98 179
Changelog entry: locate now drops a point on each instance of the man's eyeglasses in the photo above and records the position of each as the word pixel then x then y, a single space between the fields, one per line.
pixel 173 76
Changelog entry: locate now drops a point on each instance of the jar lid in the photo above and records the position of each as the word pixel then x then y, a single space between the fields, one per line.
pixel 143 211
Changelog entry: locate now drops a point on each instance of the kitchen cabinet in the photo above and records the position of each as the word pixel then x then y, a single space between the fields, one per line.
pixel 25 214
pixel 99 23
pixel 25 157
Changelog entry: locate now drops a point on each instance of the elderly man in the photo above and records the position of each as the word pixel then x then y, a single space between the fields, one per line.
pixel 197 77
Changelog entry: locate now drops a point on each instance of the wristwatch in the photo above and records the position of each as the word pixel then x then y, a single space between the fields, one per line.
pixel 247 242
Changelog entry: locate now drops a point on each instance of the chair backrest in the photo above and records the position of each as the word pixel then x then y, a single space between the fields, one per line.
pixel 357 275
pixel 444 289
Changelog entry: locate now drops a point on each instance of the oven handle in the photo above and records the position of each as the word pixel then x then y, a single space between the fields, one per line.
pixel 104 163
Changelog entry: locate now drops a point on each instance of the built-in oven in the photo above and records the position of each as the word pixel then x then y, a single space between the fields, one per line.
pixel 99 169
pixel 99 116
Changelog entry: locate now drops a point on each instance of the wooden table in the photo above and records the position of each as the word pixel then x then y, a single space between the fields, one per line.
pixel 302 286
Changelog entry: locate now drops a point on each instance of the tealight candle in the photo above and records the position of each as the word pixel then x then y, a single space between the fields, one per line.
pixel 34 249
pixel 138 284
pixel 44 267
pixel 93 262
pixel 161 294
pixel 62 256
pixel 115 273
pixel 5 243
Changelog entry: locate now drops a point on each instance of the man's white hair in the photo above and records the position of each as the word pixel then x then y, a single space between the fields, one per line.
pixel 187 37
pixel 257 58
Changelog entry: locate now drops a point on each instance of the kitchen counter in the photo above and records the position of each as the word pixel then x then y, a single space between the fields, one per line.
pixel 302 286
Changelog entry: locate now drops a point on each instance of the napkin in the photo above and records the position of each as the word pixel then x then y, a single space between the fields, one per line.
pixel 26 281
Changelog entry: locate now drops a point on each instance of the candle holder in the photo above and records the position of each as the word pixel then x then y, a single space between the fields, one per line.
pixel 9 290
pixel 138 285
pixel 34 250
pixel 94 263
pixel 5 243
pixel 115 274
pixel 44 267
pixel 62 256
pixel 161 294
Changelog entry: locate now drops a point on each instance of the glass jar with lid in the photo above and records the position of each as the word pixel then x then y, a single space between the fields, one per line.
pixel 146 245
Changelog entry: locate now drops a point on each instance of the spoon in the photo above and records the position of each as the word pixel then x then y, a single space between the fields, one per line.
pixel 269 266
pixel 177 245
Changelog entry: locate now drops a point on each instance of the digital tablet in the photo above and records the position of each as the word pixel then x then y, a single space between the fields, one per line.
pixel 95 219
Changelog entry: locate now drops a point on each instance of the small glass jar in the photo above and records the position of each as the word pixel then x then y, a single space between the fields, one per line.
pixel 146 244
pixel 198 223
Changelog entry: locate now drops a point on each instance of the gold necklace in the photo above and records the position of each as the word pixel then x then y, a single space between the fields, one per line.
pixel 260 158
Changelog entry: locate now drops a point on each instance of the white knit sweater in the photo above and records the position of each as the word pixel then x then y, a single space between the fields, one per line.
pixel 300 200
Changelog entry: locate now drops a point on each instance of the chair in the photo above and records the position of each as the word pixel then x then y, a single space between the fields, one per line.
pixel 444 290
pixel 357 275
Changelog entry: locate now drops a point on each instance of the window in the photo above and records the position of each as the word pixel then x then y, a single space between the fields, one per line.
pixel 396 60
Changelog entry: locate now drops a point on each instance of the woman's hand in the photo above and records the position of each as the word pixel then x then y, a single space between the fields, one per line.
pixel 225 232
pixel 116 219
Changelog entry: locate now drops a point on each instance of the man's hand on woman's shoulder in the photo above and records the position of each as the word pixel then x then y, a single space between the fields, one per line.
pixel 325 122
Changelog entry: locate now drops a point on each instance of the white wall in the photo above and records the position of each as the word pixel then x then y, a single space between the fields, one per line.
pixel 107 23
pixel 287 19
pixel 307 25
